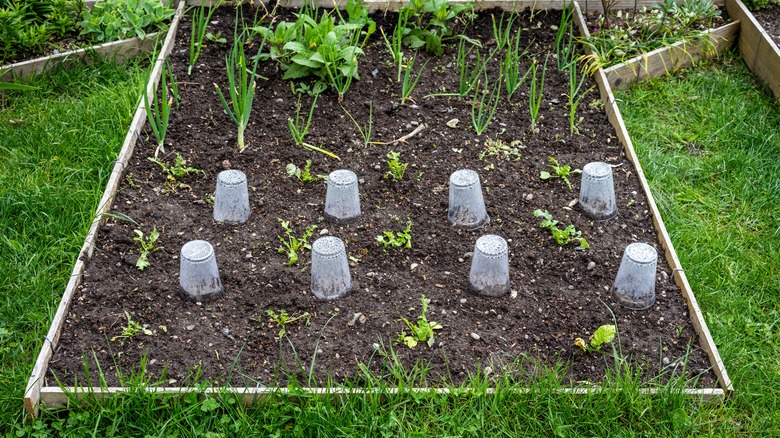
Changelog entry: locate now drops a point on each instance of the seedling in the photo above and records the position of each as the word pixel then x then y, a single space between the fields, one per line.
pixel 200 19
pixel 299 128
pixel 304 175
pixel 603 335
pixel 561 236
pixel 365 131
pixel 510 67
pixel 291 245
pixel 146 247
pixel 397 168
pixel 574 98
pixel 536 92
pixel 158 112
pixel 500 149
pixel 130 330
pixel 422 331
pixel 282 319
pixel 176 170
pixel 399 240
pixel 562 172
pixel 408 85
pixel 483 108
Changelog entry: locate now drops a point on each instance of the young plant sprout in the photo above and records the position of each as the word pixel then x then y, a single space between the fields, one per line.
pixel 574 98
pixel 158 112
pixel 365 131
pixel 603 335
pixel 510 67
pixel 484 105
pixel 408 85
pixel 146 247
pixel 502 30
pixel 399 240
pixel 130 330
pixel 423 331
pixel 561 236
pixel 468 78
pixel 200 19
pixel 303 174
pixel 176 170
pixel 283 319
pixel 299 128
pixel 562 172
pixel 536 92
pixel 241 85
pixel 291 245
pixel 397 168
pixel 565 49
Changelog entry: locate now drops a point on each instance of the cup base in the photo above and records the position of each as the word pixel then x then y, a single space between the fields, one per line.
pixel 631 304
pixel 337 220
pixel 205 298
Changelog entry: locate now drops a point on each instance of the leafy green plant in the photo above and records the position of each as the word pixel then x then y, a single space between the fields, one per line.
pixel 241 85
pixel 603 335
pixel 484 106
pixel 397 168
pixel 408 85
pixel 536 92
pixel 395 43
pixel 111 20
pixel 158 112
pixel 422 331
pixel 398 240
pixel 147 246
pixel 365 131
pixel 201 16
pixel 28 27
pixel 283 319
pixel 177 170
pixel 428 23
pixel 130 330
pixel 303 174
pixel 562 172
pixel 299 128
pixel 561 236
pixel 291 245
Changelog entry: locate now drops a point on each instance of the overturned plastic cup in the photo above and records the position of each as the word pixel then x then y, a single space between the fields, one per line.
pixel 330 277
pixel 466 203
pixel 231 201
pixel 634 286
pixel 597 191
pixel 198 272
pixel 489 275
pixel 342 200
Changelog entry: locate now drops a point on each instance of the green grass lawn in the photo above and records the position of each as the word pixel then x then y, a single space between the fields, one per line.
pixel 708 141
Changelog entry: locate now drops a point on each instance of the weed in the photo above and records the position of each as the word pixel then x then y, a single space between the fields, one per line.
pixel 561 236
pixel 500 149
pixel 603 335
pixel 283 319
pixel 562 172
pixel 112 20
pixel 146 247
pixel 397 168
pixel 130 330
pixel 303 174
pixel 176 170
pixel 423 331
pixel 398 240
pixel 291 245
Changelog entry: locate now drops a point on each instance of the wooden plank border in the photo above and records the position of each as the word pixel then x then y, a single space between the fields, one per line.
pixel 33 390
pixel 759 51
pixel 613 112
pixel 667 60
pixel 55 396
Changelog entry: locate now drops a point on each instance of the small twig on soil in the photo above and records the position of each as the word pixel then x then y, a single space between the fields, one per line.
pixel 404 138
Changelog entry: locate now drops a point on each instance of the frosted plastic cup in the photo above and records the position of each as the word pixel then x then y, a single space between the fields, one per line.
pixel 198 272
pixel 342 201
pixel 634 286
pixel 489 275
pixel 597 191
pixel 330 278
pixel 466 204
pixel 231 201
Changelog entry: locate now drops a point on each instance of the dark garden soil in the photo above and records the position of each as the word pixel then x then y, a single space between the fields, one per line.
pixel 557 293
pixel 769 18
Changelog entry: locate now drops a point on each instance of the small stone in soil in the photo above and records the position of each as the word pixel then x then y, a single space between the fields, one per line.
pixel 475 336
pixel 190 327
pixel 591 266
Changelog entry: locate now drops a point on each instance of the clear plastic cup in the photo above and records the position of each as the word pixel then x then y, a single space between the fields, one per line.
pixel 466 204
pixel 231 201
pixel 597 191
pixel 342 200
pixel 489 273
pixel 198 272
pixel 634 286
pixel 330 277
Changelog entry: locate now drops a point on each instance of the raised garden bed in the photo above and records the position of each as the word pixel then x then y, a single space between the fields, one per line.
pixel 558 293
pixel 757 47
pixel 116 50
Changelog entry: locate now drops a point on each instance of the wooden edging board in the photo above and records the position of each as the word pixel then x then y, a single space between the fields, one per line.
pixel 55 396
pixel 757 48
pixel 669 59
pixel 33 390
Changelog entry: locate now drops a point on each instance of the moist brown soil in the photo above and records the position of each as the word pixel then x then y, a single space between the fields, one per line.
pixel 558 293
pixel 769 18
